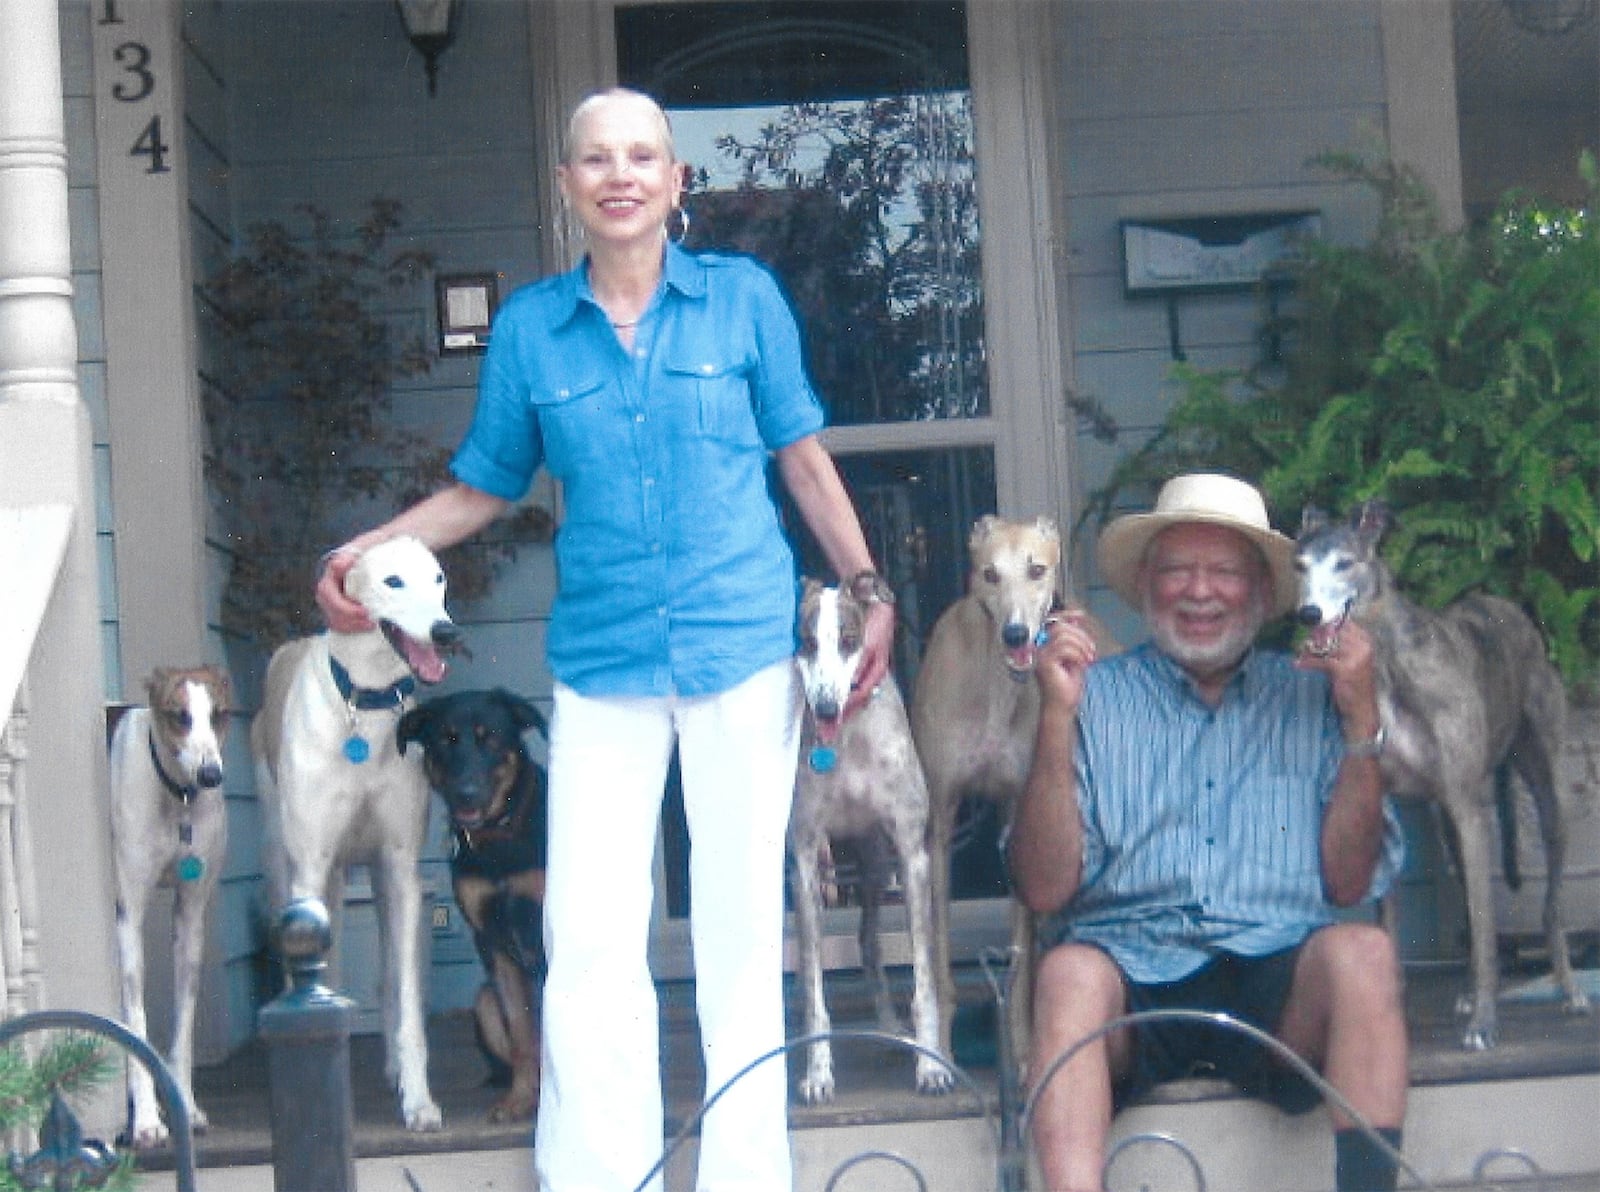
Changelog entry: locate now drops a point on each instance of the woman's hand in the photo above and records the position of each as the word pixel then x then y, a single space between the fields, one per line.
pixel 877 649
pixel 343 614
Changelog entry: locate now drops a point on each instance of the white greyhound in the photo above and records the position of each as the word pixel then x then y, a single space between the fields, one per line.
pixel 168 827
pixel 339 791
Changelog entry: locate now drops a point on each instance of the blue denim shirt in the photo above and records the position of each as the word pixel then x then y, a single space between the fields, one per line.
pixel 1203 826
pixel 675 576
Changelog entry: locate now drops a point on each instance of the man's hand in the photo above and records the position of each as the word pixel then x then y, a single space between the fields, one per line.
pixel 342 614
pixel 877 648
pixel 1062 660
pixel 1352 674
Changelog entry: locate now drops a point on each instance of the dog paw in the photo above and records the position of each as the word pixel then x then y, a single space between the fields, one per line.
pixel 425 1118
pixel 148 1136
pixel 198 1122
pixel 1576 1002
pixel 935 1078
pixel 514 1107
pixel 816 1086
pixel 1480 1036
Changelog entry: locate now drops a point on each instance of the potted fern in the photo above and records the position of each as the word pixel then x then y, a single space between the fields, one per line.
pixel 1456 375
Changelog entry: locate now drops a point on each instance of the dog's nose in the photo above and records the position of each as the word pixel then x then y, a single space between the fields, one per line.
pixel 1015 635
pixel 445 633
pixel 828 708
pixel 1309 614
pixel 210 775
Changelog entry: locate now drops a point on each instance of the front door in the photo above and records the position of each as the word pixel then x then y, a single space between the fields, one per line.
pixel 840 143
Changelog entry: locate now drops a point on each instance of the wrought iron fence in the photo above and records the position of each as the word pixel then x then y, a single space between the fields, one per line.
pixel 65 1159
pixel 1009 1119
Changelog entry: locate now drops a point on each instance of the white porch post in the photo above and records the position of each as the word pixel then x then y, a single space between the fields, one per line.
pixel 45 461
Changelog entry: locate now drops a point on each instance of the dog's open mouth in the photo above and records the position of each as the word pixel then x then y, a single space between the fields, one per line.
pixel 1020 658
pixel 422 657
pixel 828 728
pixel 1323 640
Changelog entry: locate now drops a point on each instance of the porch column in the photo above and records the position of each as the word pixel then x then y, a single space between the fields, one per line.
pixel 45 463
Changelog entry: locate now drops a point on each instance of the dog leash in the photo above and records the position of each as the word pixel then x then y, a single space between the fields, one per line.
pixel 366 699
pixel 190 867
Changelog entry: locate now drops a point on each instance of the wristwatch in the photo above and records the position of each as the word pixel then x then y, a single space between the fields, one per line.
pixel 869 587
pixel 1372 747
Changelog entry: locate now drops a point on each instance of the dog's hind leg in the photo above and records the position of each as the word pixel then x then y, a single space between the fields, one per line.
pixel 934 1074
pixel 817 1084
pixel 1474 824
pixel 942 808
pixel 875 867
pixel 1535 758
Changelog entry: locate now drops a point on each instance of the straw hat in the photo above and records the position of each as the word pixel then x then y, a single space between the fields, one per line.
pixel 1200 497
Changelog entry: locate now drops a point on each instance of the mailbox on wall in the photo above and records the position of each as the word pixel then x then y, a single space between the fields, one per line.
pixel 1210 252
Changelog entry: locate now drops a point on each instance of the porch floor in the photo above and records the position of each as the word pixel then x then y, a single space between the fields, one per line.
pixel 875 1085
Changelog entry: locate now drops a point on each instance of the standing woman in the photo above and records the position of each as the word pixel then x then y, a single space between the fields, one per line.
pixel 657 386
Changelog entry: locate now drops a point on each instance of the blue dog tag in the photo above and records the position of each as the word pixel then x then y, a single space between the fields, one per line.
pixel 822 758
pixel 1042 638
pixel 190 869
pixel 357 749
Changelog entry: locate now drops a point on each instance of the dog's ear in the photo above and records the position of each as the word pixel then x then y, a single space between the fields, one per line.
pixel 981 529
pixel 1371 519
pixel 809 587
pixel 224 685
pixel 523 714
pixel 155 687
pixel 1312 519
pixel 411 727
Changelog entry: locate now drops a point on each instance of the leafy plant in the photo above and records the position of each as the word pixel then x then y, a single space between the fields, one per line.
pixel 70 1064
pixel 1456 374
pixel 303 447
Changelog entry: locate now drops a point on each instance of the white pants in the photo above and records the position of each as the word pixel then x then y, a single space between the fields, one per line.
pixel 600 1113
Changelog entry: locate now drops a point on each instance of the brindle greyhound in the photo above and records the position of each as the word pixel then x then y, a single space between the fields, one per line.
pixel 1461 693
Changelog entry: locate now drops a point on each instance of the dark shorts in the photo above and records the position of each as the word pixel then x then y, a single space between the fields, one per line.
pixel 1253 989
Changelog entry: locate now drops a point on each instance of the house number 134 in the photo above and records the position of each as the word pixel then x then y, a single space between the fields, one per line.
pixel 135 82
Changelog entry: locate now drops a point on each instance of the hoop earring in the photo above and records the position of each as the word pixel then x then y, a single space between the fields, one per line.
pixel 683 226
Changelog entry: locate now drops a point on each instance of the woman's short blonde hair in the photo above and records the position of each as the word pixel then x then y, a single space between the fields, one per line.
pixel 590 103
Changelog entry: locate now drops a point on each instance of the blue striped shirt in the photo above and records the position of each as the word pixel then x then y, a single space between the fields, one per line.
pixel 1202 826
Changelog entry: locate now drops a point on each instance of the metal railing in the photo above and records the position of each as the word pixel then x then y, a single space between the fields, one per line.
pixel 64 1159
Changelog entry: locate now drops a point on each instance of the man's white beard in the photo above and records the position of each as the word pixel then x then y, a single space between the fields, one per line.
pixel 1205 657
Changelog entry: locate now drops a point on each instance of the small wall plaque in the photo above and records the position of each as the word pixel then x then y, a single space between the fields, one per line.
pixel 467 303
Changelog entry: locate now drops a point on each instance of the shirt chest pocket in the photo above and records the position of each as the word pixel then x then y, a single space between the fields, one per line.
pixel 718 391
pixel 573 423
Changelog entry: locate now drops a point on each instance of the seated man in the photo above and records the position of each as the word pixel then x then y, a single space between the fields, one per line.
pixel 1196 811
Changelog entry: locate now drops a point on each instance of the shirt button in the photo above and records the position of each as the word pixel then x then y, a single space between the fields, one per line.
pixel 649 481
pixel 638 417
pixel 661 611
pixel 707 369
pixel 655 548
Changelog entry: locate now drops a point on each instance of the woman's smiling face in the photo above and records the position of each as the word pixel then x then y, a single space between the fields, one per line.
pixel 621 177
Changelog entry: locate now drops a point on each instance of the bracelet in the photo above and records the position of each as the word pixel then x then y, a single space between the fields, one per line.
pixel 869 587
pixel 1372 747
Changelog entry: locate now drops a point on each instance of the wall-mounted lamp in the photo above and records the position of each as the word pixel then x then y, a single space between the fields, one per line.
pixel 431 27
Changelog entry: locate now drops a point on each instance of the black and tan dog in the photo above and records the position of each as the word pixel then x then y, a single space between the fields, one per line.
pixel 475 758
